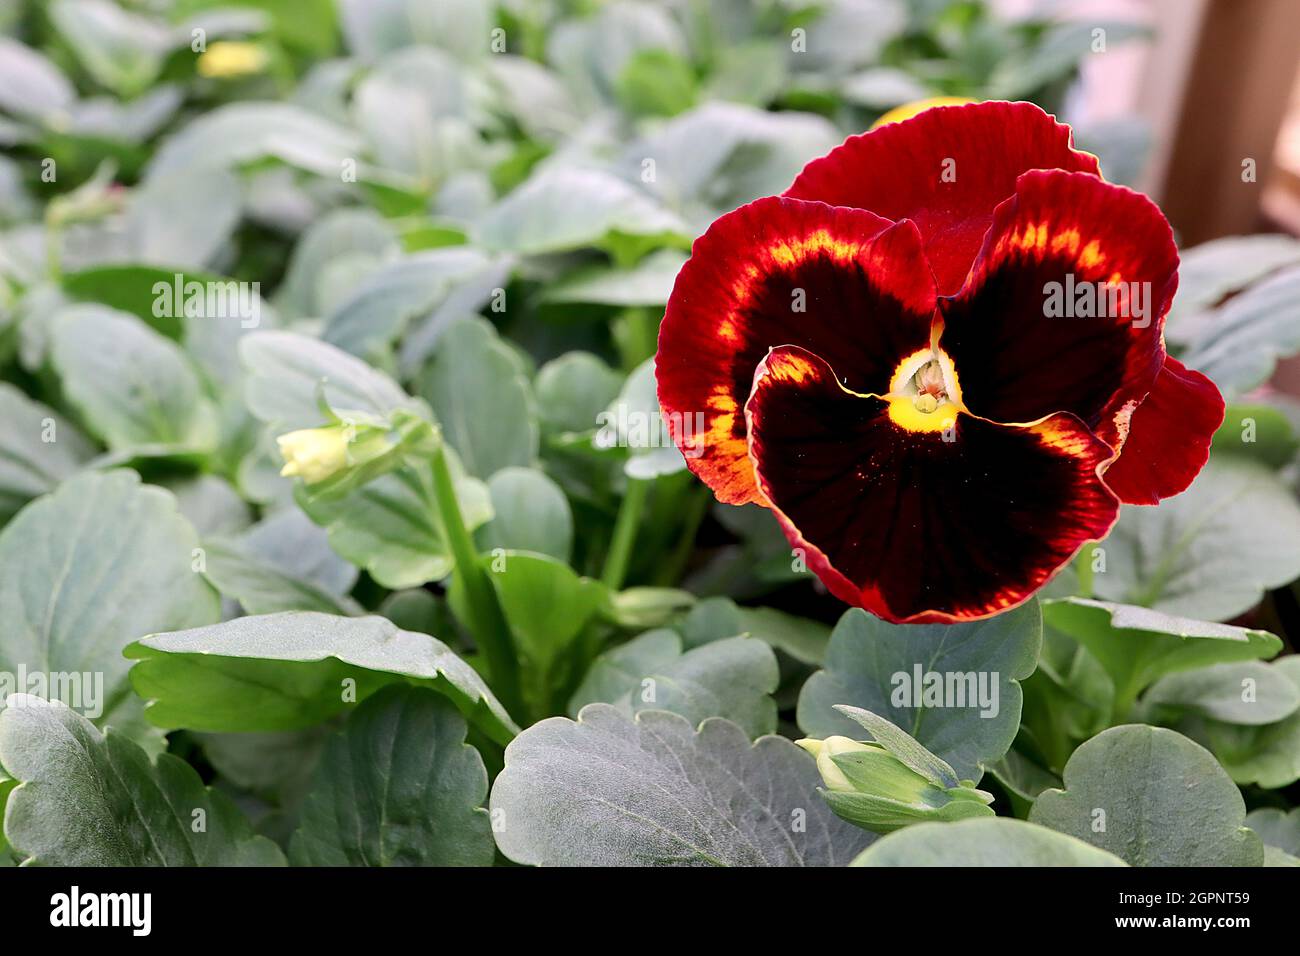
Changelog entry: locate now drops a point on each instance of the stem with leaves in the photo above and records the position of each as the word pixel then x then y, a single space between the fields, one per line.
pixel 697 506
pixel 486 619
pixel 625 525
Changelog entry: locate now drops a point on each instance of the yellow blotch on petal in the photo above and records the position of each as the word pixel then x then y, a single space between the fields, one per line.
pixel 788 252
pixel 794 369
pixel 1091 256
pixel 1069 242
pixel 908 110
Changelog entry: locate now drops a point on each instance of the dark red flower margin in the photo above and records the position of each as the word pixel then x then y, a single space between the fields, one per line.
pixel 870 356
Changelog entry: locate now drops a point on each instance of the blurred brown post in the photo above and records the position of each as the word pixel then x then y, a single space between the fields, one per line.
pixel 1238 86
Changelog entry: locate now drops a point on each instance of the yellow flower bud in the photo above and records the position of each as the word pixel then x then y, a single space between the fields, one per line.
pixel 314 454
pixel 824 750
pixel 908 110
pixel 228 59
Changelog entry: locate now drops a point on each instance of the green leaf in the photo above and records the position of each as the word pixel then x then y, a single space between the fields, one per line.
pixel 533 96
pixel 1023 779
pixel 341 244
pixel 398 786
pixel 38 449
pixel 122 50
pixel 573 390
pixel 276 766
pixel 384 304
pixel 1122 145
pixel 875 665
pixel 297 669
pixel 240 133
pixel 548 606
pixel 1136 645
pixel 416 609
pixel 1247 693
pixel 1277 828
pixel 717 617
pixel 185 218
pixel 373 28
pixel 307 26
pixel 92 799
pixel 1239 346
pixel 288 373
pixel 564 208
pixel 211 504
pixel 590 53
pixel 1259 432
pixel 903 746
pixel 288 541
pixel 619 670
pixel 262 588
pixel 633 421
pixel 636 609
pixel 882 88
pixel 647 283
pixel 987 842
pixel 1068 699
pixel 722 155
pixel 130 288
pixel 1210 552
pixel 420 118
pixel 849 35
pixel 83 572
pixel 1056 55
pixel 1209 272
pixel 732 678
pixel 529 513
pixel 31 85
pixel 656 83
pixel 475 378
pixel 133 388
pixel 752 72
pixel 390 527
pixel 1269 755
pixel 607 790
pixel 1153 798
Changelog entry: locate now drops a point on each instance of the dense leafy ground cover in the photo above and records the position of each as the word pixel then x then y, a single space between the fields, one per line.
pixel 516 628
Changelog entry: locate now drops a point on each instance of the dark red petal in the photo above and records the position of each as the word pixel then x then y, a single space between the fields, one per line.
pixel 1018 363
pixel 867 298
pixel 1169 436
pixel 898 171
pixel 921 525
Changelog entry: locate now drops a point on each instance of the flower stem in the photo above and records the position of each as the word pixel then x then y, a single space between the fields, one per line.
pixel 697 506
pixel 625 525
pixel 1083 569
pixel 487 621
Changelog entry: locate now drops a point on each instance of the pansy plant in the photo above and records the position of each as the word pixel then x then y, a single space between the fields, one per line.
pixel 938 359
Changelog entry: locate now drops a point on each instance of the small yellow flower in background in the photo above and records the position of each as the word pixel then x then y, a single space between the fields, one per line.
pixel 908 110
pixel 227 59
pixel 314 454
pixel 824 750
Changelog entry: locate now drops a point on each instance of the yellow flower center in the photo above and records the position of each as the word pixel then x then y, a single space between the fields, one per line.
pixel 924 395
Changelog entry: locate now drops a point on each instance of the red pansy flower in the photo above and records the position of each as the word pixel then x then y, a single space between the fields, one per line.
pixel 876 356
